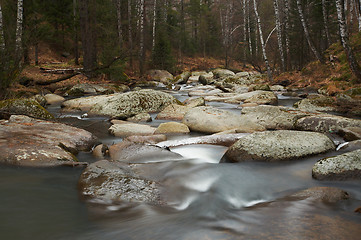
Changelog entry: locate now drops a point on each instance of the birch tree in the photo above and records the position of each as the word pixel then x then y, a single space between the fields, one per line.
pixel 354 66
pixel 307 34
pixel 279 33
pixel 2 39
pixel 287 31
pixel 19 30
pixel 141 36
pixel 269 72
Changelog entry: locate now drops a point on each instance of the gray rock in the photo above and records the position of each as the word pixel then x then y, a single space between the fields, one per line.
pixel 86 103
pixel 316 103
pixel 222 73
pixel 182 78
pixel 25 141
pixel 141 117
pixel 341 167
pixel 350 133
pixel 151 139
pixel 263 97
pixel 26 107
pixel 213 120
pixel 173 112
pixel 278 146
pixel 131 103
pixel 110 181
pixel 326 123
pixel 194 102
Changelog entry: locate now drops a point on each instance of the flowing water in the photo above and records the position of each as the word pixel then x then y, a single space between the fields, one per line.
pixel 207 200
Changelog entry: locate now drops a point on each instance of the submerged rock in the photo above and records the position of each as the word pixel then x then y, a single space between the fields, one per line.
pixel 341 167
pixel 24 106
pixel 131 103
pixel 325 194
pixel 278 146
pixel 111 181
pixel 26 141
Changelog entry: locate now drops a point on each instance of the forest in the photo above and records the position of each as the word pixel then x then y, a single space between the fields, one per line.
pixel 118 38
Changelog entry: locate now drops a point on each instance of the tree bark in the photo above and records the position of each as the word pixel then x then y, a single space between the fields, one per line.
pixel 354 66
pixel 244 32
pixel 287 31
pixel 325 22
pixel 19 30
pixel 358 13
pixel 154 23
pixel 88 34
pixel 249 29
pixel 2 39
pixel 307 34
pixel 119 23
pixel 141 37
pixel 130 32
pixel 279 33
pixel 269 72
pixel 76 36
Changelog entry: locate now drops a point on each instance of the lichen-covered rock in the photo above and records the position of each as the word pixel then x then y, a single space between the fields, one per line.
pixel 26 107
pixel 272 117
pixel 263 97
pixel 86 103
pixel 222 73
pixel 194 102
pixel 212 120
pixel 172 127
pixel 325 194
pixel 278 146
pixel 173 112
pixel 326 123
pixel 131 103
pixel 182 78
pixel 341 167
pixel 141 117
pixel 111 181
pixel 26 141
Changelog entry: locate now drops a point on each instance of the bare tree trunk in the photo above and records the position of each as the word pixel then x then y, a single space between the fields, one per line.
pixel 76 36
pixel 154 23
pixel 279 33
pixel 287 31
pixel 307 34
pixel 244 32
pixel 325 22
pixel 358 13
pixel 141 37
pixel 130 31
pixel 19 30
pixel 269 72
pixel 354 66
pixel 119 23
pixel 88 34
pixel 249 28
pixel 2 39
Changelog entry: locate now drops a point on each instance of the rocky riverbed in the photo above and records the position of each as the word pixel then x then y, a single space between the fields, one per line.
pixel 213 145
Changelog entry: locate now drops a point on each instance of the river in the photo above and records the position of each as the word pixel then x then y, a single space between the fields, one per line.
pixel 207 200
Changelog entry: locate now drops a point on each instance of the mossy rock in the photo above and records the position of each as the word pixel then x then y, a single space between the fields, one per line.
pixel 354 91
pixel 26 107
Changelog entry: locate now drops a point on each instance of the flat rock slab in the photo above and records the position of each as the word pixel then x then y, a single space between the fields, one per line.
pixel 341 167
pixel 325 194
pixel 111 181
pixel 278 146
pixel 25 141
pixel 125 129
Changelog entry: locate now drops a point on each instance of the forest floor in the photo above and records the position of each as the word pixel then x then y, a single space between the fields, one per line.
pixel 333 77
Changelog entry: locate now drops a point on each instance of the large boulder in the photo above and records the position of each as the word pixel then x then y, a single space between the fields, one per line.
pixel 272 117
pixel 326 123
pixel 222 73
pixel 341 167
pixel 212 120
pixel 23 106
pixel 173 112
pixel 182 78
pixel 88 88
pixel 278 146
pixel 316 102
pixel 172 127
pixel 26 141
pixel 131 103
pixel 53 99
pixel 111 181
pixel 263 97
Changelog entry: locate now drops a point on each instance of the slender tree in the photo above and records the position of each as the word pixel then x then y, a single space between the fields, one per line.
pixel 119 23
pixel 325 22
pixel 154 22
pixel 279 33
pixel 76 36
pixel 307 34
pixel 354 66
pixel 269 72
pixel 2 39
pixel 130 32
pixel 287 31
pixel 141 36
pixel 19 30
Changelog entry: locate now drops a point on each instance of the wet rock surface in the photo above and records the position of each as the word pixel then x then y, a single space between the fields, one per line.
pixel 111 181
pixel 326 194
pixel 26 141
pixel 341 167
pixel 26 107
pixel 278 146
